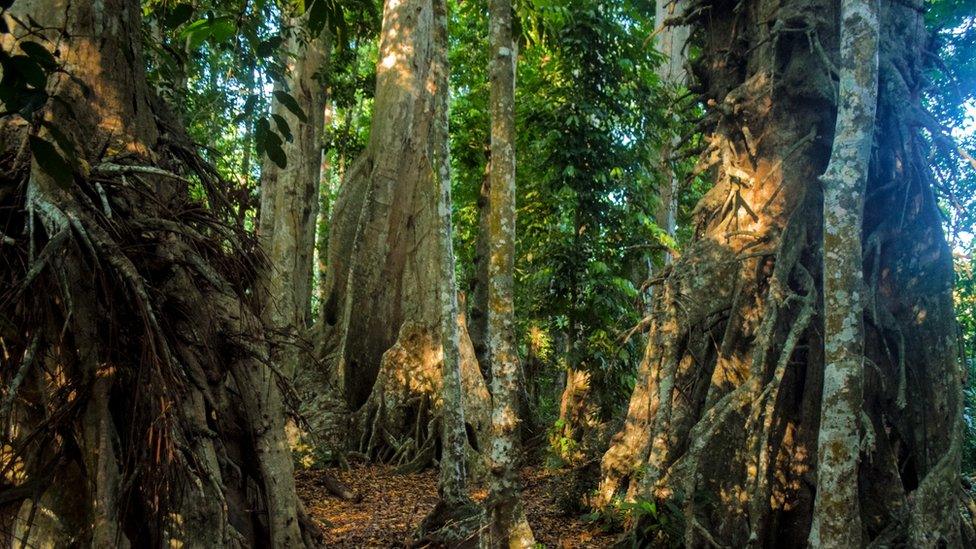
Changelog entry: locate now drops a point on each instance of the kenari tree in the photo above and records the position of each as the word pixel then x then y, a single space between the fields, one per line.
pixel 388 333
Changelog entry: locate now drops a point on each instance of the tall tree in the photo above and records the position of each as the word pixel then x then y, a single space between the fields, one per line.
pixel 730 392
pixel 137 407
pixel 836 513
pixel 384 303
pixel 672 42
pixel 507 525
pixel 290 194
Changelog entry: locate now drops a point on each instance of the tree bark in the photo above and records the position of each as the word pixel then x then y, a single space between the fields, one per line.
pixel 836 512
pixel 507 524
pixel 138 409
pixel 672 42
pixel 726 415
pixel 382 332
pixel 289 196
pixel 325 209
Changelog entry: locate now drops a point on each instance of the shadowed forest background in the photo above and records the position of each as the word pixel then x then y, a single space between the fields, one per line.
pixel 460 273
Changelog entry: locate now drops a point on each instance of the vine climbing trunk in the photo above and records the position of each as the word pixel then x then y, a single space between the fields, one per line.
pixel 743 420
pixel 383 335
pixel 836 513
pixel 507 524
pixel 137 407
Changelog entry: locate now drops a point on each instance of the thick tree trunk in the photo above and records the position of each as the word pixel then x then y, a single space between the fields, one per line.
pixel 507 524
pixel 289 197
pixel 137 407
pixel 383 312
pixel 672 41
pixel 726 415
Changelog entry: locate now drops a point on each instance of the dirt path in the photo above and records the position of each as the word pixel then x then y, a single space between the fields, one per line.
pixel 393 505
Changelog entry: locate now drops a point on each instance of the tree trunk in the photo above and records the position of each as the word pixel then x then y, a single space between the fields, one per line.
pixel 725 418
pixel 455 516
pixel 507 524
pixel 137 407
pixel 289 197
pixel 382 317
pixel 836 512
pixel 672 42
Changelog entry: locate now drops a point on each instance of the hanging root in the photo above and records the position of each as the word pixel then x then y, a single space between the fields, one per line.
pixel 135 360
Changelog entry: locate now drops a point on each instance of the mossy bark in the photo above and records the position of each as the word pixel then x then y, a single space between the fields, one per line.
pixel 837 517
pixel 507 525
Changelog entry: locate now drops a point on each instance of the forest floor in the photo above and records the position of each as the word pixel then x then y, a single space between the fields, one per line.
pixel 392 505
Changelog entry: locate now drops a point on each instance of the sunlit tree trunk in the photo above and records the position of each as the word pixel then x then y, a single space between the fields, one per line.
pixel 137 407
pixel 382 320
pixel 507 525
pixel 455 515
pixel 836 513
pixel 733 385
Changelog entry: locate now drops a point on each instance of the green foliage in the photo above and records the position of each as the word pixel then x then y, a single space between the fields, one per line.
pixel 221 63
pixel 965 301
pixel 648 523
pixel 588 122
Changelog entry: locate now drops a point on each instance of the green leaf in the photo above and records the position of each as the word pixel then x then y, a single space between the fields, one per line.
pixel 320 12
pixel 50 161
pixel 261 131
pixel 197 32
pixel 28 70
pixel 277 155
pixel 39 54
pixel 268 143
pixel 291 104
pixel 283 128
pixel 178 15
pixel 268 47
pixel 221 29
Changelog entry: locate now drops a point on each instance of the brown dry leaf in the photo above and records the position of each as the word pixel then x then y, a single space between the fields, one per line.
pixel 393 505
